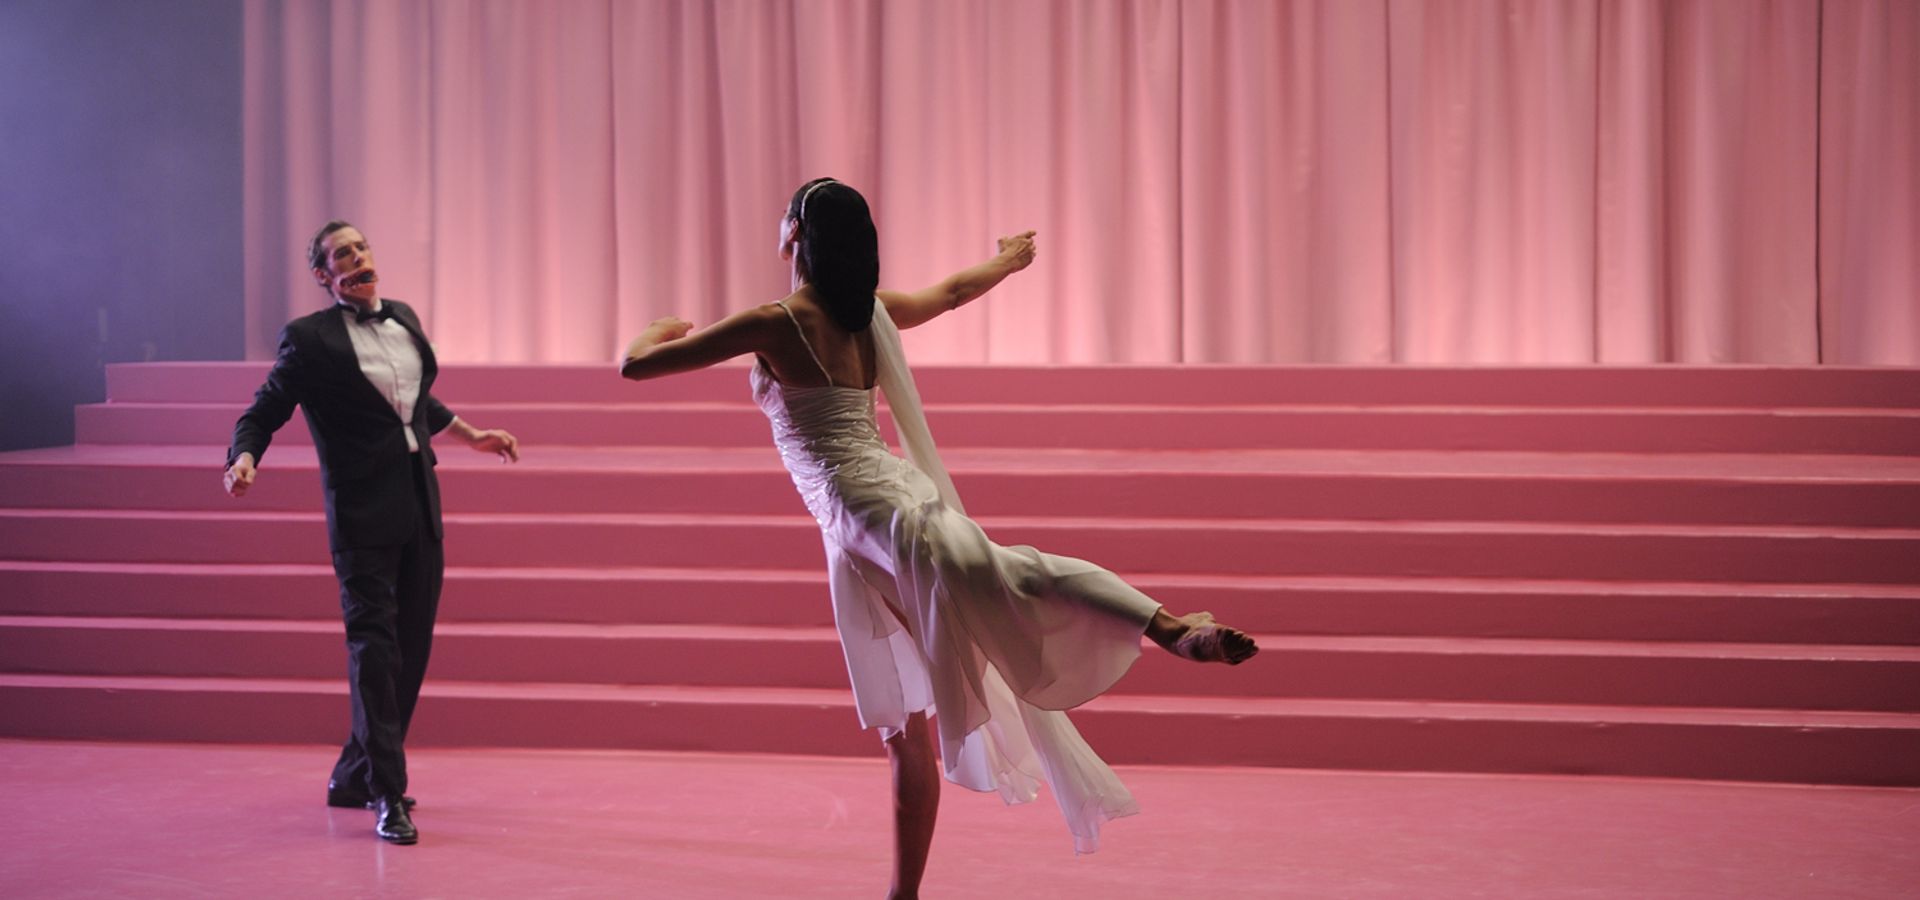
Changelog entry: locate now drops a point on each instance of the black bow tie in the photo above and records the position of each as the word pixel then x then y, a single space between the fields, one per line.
pixel 363 316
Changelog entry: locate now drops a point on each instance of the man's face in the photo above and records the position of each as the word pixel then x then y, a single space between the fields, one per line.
pixel 349 272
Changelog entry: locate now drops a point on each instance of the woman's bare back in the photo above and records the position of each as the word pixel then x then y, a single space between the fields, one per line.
pixel 846 356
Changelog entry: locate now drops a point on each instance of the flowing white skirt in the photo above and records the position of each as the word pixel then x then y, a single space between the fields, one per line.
pixel 999 641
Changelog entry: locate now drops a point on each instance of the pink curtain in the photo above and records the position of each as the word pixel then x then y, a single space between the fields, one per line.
pixel 1493 150
pixel 1214 181
pixel 1706 181
pixel 1869 202
pixel 1284 216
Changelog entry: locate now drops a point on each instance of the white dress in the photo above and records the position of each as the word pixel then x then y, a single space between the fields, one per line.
pixel 933 616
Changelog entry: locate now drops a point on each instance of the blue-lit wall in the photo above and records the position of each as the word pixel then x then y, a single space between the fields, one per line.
pixel 120 197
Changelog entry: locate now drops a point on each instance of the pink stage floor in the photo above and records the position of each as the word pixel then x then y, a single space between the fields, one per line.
pixel 159 820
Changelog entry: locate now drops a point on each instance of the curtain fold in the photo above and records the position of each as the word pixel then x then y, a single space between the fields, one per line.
pixel 1869 192
pixel 1492 153
pixel 1213 181
pixel 1284 205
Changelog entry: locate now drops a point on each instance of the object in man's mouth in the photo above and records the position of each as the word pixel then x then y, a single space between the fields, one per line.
pixel 366 277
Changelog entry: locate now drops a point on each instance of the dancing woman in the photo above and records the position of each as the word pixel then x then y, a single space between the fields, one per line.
pixel 931 614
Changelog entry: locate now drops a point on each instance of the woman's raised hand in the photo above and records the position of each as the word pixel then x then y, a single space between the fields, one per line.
pixel 661 331
pixel 668 328
pixel 1017 250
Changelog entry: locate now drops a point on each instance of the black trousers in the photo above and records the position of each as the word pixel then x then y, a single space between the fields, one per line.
pixel 389 597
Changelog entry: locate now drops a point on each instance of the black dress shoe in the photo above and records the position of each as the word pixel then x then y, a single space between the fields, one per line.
pixel 354 798
pixel 394 825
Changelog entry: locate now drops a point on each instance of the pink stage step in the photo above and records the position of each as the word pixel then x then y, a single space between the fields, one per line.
pixel 1510 487
pixel 1756 745
pixel 1119 426
pixel 1131 546
pixel 1576 386
pixel 1300 605
pixel 1362 668
pixel 1665 571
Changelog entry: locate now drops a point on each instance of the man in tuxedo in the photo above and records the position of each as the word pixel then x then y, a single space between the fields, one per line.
pixel 362 371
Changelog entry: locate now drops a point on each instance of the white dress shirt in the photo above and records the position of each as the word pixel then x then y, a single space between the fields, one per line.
pixel 390 361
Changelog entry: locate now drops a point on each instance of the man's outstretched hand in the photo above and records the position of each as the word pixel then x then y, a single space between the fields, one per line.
pixel 487 440
pixel 239 476
pixel 496 441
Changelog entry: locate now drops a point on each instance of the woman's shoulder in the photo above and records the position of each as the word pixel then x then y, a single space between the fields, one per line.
pixel 756 315
pixel 765 313
pixel 803 297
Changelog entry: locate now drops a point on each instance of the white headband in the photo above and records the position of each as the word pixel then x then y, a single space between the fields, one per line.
pixel 804 197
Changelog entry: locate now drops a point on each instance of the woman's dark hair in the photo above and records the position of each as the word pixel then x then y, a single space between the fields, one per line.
pixel 839 249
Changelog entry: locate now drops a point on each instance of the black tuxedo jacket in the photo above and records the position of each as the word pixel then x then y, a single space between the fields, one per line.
pixel 364 468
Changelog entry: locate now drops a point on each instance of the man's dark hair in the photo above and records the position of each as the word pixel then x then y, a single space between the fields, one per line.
pixel 316 248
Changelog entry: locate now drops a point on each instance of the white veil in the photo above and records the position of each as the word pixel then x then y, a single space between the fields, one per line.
pixel 903 400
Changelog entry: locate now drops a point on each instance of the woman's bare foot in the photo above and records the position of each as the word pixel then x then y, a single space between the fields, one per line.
pixel 1196 636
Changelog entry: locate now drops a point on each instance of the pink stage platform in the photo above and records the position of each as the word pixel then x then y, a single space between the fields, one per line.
pixel 1701 573
pixel 156 822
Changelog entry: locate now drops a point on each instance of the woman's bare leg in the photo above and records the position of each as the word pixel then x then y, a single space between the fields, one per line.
pixel 1196 636
pixel 916 799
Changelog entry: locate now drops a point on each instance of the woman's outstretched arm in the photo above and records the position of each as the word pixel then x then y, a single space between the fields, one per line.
pixel 670 345
pixel 920 307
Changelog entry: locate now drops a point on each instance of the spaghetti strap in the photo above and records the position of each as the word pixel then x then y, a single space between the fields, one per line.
pixel 803 339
